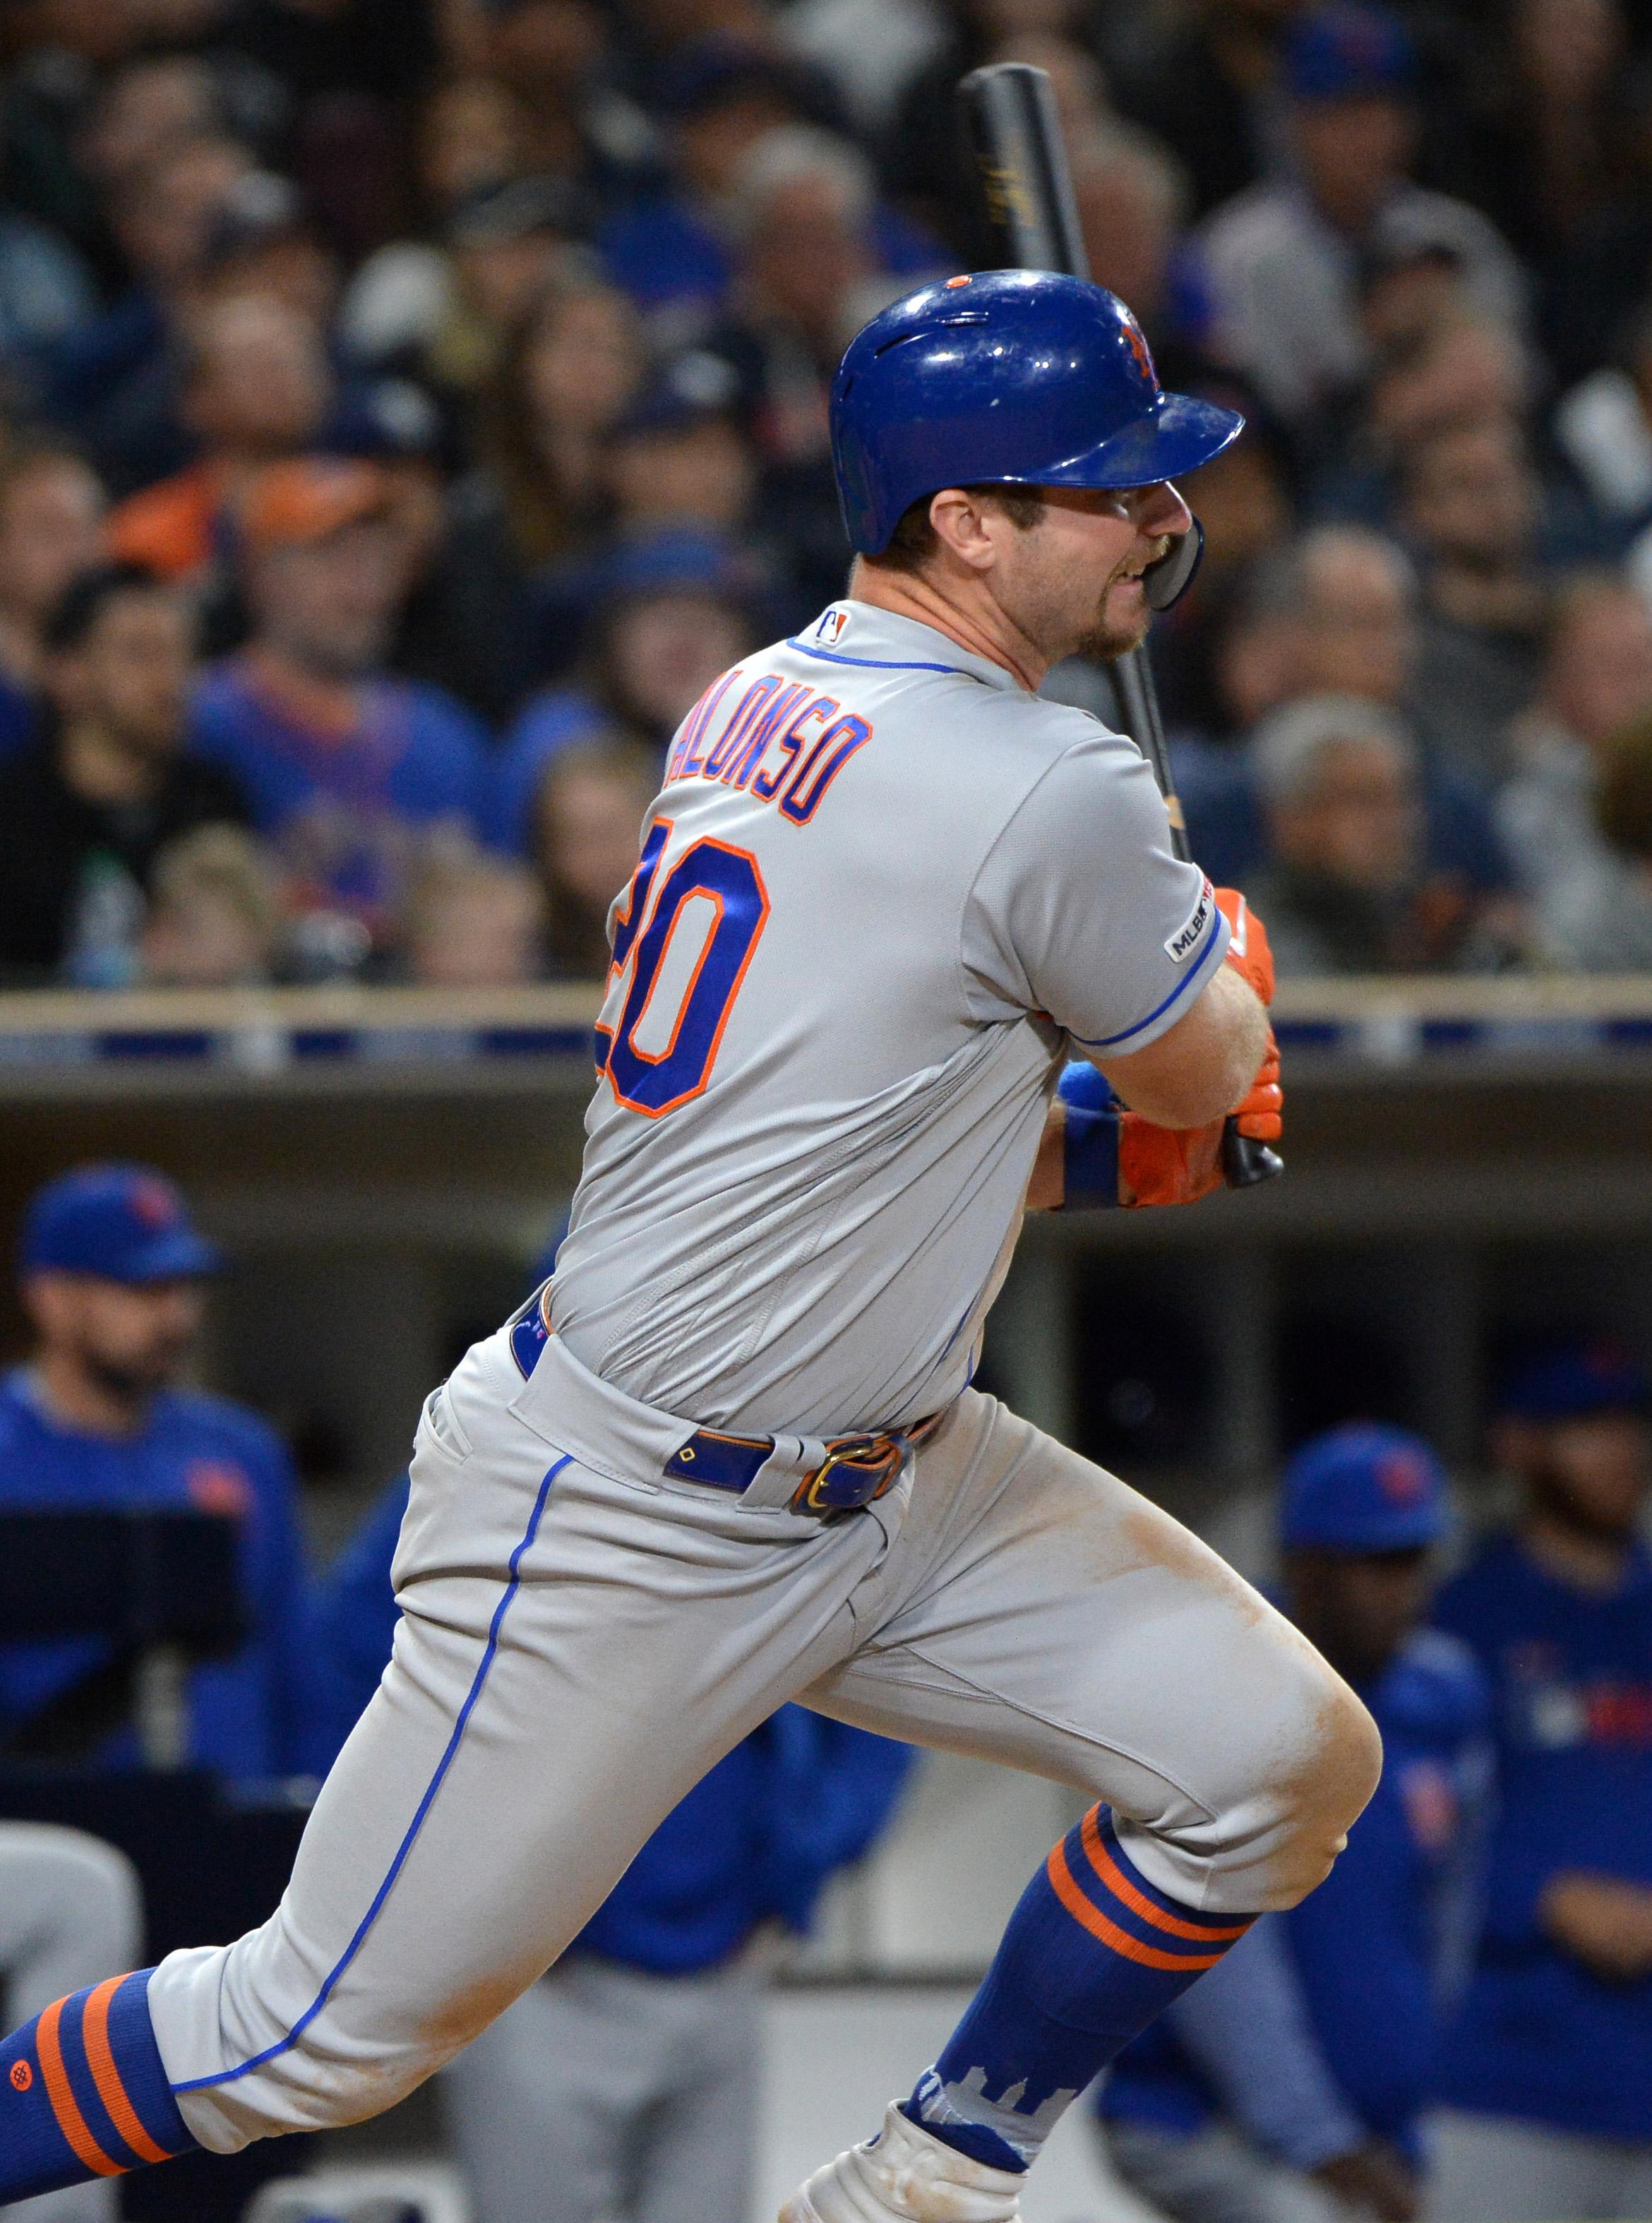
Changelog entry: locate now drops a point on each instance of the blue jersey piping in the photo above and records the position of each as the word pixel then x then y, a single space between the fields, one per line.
pixel 284 2045
pixel 1158 1011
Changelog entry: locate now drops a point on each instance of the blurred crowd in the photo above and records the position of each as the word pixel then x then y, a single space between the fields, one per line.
pixel 408 406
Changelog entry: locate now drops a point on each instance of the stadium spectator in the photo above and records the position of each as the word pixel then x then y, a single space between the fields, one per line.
pixel 46 292
pixel 85 810
pixel 71 1915
pixel 924 159
pixel 257 388
pixel 1548 2071
pixel 588 811
pixel 1556 136
pixel 214 919
pixel 1349 886
pixel 626 2082
pixel 548 55
pixel 344 764
pixel 716 98
pixel 677 460
pixel 1362 628
pixel 51 529
pixel 1474 507
pixel 1292 2084
pixel 115 383
pixel 113 1275
pixel 1336 612
pixel 1601 921
pixel 665 615
pixel 470 920
pixel 1207 86
pixel 262 243
pixel 1603 426
pixel 538 492
pixel 1597 680
pixel 677 253
pixel 142 110
pixel 868 50
pixel 808 274
pixel 1280 259
pixel 473 134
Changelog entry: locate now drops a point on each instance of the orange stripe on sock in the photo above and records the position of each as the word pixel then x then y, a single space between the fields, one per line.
pixel 1137 1901
pixel 1109 1932
pixel 106 2075
pixel 70 2121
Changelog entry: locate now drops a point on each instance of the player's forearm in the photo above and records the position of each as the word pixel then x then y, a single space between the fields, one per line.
pixel 1200 1070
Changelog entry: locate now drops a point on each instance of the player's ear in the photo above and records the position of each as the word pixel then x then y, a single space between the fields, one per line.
pixel 960 520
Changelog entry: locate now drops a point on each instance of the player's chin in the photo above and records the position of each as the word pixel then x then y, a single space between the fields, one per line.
pixel 1121 624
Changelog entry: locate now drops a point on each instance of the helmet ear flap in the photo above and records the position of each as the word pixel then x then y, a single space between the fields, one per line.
pixel 1167 580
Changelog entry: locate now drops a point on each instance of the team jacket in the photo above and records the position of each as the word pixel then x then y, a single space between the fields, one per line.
pixel 1538 2036
pixel 250 1716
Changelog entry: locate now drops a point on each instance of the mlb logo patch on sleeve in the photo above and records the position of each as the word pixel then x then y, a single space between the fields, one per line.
pixel 1189 936
pixel 833 627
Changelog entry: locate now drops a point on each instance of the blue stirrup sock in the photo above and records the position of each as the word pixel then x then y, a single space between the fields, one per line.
pixel 82 2093
pixel 1092 1952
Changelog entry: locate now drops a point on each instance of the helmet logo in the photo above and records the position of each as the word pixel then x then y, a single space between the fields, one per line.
pixel 953 283
pixel 1137 344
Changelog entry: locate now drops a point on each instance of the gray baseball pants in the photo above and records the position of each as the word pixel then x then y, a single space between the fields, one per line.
pixel 1216 2177
pixel 581 1640
pixel 71 1914
pixel 1491 2169
pixel 606 2091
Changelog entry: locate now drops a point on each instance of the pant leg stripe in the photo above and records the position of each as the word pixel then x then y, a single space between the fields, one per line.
pixel 1114 1877
pixel 105 2074
pixel 1092 1919
pixel 70 2121
pixel 285 2044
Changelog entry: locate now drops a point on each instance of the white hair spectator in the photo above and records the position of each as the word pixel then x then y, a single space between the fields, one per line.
pixel 799 153
pixel 1287 748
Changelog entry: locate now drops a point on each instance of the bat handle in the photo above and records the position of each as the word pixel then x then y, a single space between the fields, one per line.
pixel 1246 1163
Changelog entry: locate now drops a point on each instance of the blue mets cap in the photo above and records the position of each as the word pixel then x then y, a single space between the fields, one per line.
pixel 123 1223
pixel 1347 53
pixel 1570 1381
pixel 1364 1488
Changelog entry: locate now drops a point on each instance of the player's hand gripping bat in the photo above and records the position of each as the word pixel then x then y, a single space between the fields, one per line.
pixel 1015 136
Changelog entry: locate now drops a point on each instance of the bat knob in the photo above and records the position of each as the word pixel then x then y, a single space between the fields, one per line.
pixel 1245 1163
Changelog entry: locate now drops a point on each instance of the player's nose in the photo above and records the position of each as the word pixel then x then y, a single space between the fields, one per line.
pixel 1160 509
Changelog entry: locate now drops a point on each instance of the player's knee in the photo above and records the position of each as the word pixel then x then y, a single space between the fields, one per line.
pixel 1333 1774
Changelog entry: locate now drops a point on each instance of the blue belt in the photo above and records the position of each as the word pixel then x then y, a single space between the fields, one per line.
pixel 856 1471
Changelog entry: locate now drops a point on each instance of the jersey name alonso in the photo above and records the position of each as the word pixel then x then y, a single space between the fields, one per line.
pixel 879 889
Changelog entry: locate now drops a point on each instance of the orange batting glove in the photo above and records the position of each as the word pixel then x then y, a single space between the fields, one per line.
pixel 1178 1165
pixel 1247 948
pixel 1167 1165
pixel 1261 1113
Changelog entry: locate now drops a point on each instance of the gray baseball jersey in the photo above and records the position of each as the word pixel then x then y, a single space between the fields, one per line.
pixel 880 888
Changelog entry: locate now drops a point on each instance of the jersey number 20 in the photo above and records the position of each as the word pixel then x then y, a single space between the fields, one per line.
pixel 693 940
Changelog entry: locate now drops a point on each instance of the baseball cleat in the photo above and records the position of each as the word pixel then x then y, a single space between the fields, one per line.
pixel 906 2174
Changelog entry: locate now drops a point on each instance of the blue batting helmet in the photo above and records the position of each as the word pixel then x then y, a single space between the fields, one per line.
pixel 1007 377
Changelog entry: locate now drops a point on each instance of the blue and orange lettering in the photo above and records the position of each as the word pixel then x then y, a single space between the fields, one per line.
pixel 748 707
pixel 765 784
pixel 761 731
pixel 817 771
pixel 696 722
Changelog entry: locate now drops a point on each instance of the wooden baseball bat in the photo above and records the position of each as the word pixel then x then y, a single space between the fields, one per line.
pixel 1015 136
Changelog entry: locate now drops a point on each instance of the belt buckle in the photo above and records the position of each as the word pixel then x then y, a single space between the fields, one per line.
pixel 856 1471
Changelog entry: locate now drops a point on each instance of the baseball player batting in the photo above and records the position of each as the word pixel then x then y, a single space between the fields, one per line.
pixel 730 1456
